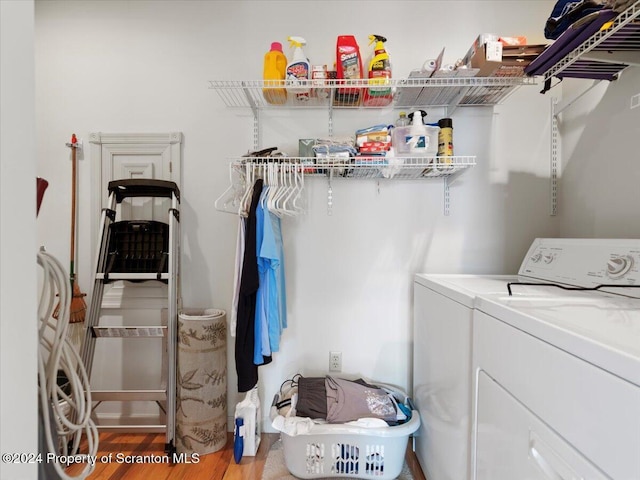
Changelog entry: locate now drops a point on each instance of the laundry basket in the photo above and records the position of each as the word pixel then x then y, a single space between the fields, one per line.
pixel 348 451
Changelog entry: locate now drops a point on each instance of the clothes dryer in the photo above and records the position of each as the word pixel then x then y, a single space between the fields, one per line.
pixel 442 375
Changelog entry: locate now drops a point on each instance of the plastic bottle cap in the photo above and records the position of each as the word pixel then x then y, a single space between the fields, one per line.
pixel 445 123
pixel 276 46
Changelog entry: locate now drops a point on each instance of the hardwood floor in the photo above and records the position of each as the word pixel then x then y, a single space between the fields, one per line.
pixel 146 451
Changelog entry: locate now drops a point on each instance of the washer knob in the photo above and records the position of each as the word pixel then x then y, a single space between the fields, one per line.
pixel 618 266
pixel 536 258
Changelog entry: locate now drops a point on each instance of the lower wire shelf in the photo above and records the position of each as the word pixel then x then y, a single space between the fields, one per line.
pixel 397 168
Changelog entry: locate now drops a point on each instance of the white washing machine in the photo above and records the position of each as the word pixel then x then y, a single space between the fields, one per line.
pixel 451 384
pixel 557 372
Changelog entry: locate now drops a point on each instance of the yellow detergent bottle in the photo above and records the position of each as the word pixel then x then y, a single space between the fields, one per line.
pixel 275 68
pixel 379 92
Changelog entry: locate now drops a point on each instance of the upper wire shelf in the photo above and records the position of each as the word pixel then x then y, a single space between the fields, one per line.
pixel 411 92
pixel 604 54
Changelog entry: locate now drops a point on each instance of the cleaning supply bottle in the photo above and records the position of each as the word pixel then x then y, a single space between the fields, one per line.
pixel 238 439
pixel 445 142
pixel 417 141
pixel 445 137
pixel 379 75
pixel 298 69
pixel 348 67
pixel 402 120
pixel 275 69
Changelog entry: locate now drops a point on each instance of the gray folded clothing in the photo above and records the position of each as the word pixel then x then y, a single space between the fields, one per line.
pixel 348 401
pixel 312 397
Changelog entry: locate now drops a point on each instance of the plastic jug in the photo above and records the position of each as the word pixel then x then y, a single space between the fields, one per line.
pixel 275 67
pixel 249 411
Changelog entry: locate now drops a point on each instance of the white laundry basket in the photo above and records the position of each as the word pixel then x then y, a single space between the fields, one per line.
pixel 348 451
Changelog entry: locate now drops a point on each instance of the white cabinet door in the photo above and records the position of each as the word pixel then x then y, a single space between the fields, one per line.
pixel 118 156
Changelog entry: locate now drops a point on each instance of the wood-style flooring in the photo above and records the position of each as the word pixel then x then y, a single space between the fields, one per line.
pixel 219 465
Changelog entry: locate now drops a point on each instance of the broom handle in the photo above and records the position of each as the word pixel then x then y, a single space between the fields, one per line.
pixel 73 208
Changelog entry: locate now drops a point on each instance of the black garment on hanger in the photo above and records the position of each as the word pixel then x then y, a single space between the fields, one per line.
pixel 246 315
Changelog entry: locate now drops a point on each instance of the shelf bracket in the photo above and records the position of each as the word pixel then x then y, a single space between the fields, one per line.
pixel 456 100
pixel 561 107
pixel 256 131
pixel 330 113
pixel 330 194
pixel 446 196
pixel 256 114
pixel 555 156
pixel 448 180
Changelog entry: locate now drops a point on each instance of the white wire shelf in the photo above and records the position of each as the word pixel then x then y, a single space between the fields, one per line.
pixel 607 52
pixel 405 93
pixel 397 168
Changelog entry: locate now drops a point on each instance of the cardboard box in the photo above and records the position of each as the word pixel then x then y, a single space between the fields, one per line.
pixel 487 59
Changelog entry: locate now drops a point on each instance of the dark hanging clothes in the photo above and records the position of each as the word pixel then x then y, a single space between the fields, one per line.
pixel 245 330
pixel 567 12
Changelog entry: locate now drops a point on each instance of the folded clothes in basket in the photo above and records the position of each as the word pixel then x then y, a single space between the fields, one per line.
pixel 338 400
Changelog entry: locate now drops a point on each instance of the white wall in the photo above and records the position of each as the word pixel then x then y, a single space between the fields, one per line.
pixel 18 277
pixel 116 66
pixel 599 194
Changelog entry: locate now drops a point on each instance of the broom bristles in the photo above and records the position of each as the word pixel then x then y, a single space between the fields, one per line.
pixel 77 308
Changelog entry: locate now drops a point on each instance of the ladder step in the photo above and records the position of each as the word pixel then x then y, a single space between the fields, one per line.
pixel 128 395
pixel 132 276
pixel 129 332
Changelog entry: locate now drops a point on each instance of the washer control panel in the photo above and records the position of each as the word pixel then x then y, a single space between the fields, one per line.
pixel 584 262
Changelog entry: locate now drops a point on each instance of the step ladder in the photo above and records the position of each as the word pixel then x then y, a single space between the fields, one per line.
pixel 138 251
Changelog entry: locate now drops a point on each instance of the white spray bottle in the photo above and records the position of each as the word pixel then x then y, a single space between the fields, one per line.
pixel 298 69
pixel 417 138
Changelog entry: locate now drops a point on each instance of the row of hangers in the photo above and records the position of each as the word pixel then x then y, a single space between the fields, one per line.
pixel 283 181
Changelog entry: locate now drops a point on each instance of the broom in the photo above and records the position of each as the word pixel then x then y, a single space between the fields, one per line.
pixel 78 306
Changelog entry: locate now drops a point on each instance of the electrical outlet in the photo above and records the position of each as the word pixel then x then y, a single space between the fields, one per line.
pixel 635 101
pixel 335 361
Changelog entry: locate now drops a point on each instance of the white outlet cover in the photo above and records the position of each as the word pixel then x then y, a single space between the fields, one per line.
pixel 635 101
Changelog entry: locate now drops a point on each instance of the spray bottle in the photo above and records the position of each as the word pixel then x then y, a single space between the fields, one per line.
pixel 417 140
pixel 298 69
pixel 379 75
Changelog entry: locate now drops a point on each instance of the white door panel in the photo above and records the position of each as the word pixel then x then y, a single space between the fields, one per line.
pixel 117 156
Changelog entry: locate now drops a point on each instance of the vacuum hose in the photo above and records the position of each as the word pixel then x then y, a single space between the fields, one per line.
pixel 68 411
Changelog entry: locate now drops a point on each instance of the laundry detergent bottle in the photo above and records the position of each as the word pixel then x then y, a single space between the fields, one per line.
pixel 348 67
pixel 275 69
pixel 298 70
pixel 379 95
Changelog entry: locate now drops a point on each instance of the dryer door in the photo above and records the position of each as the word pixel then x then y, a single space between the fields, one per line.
pixel 511 442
